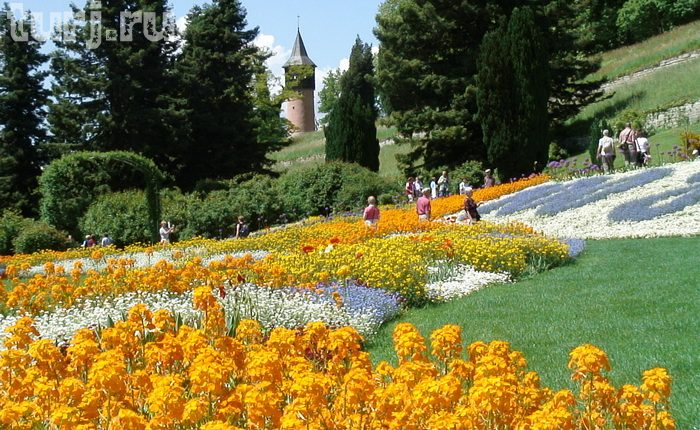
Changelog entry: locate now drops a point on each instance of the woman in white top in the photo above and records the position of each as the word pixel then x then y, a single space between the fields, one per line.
pixel 642 149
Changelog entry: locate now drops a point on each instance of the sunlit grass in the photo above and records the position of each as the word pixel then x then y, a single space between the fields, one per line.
pixel 629 59
pixel 637 299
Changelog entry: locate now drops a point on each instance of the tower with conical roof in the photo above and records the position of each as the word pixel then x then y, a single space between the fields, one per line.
pixel 300 76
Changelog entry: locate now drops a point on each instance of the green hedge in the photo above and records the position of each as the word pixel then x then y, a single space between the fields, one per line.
pixel 38 236
pixel 123 215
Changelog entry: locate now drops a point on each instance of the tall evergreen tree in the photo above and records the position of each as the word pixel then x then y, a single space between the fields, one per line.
pixel 328 95
pixel 351 134
pixel 22 97
pixel 512 95
pixel 425 74
pixel 427 66
pixel 120 94
pixel 217 68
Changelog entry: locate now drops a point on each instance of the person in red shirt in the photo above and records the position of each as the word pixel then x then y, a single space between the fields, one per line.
pixel 423 208
pixel 409 189
pixel 371 214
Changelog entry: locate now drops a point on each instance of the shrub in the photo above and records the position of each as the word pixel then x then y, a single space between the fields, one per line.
pixel 11 224
pixel 37 236
pixel 472 170
pixel 71 184
pixel 124 216
pixel 210 217
pixel 336 186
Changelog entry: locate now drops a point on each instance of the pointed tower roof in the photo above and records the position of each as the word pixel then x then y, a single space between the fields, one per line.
pixel 299 55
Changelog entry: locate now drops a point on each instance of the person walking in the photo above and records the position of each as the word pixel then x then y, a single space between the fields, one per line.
pixel 643 147
pixel 489 180
pixel 433 188
pixel 423 208
pixel 443 184
pixel 627 145
pixel 408 189
pixel 371 213
pixel 606 152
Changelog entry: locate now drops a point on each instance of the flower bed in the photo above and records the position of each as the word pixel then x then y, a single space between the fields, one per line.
pixel 660 201
pixel 148 371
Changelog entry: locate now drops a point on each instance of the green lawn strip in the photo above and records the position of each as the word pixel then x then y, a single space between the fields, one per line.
pixel 629 59
pixel 657 91
pixel 637 299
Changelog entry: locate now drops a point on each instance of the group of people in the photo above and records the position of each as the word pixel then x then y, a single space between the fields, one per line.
pixel 633 144
pixel 91 240
pixel 440 185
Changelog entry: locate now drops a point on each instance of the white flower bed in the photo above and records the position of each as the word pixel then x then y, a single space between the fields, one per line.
pixel 363 308
pixel 463 281
pixel 661 201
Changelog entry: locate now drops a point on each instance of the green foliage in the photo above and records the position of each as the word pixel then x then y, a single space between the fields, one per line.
pixel 122 215
pixel 425 70
pixel 120 96
pixel 216 67
pixel 556 152
pixel 332 186
pixel 11 224
pixel 71 184
pixel 329 94
pixel 512 95
pixel 22 98
pixel 38 236
pixel 640 19
pixel 351 134
pixel 472 170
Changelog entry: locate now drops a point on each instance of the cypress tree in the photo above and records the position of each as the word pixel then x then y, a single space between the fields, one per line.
pixel 351 134
pixel 22 98
pixel 530 67
pixel 512 95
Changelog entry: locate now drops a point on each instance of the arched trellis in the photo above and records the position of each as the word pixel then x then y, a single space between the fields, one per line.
pixel 68 185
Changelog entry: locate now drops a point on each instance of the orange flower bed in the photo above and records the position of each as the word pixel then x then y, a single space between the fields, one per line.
pixel 147 372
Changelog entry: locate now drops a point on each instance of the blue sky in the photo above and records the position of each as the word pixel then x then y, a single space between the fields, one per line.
pixel 328 27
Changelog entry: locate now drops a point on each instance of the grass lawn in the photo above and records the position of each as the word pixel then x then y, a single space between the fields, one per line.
pixel 638 299
pixel 663 89
pixel 630 59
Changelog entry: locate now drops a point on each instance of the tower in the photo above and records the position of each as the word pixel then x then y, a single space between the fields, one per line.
pixel 300 76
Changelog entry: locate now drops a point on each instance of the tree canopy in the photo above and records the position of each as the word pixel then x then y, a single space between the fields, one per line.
pixel 22 97
pixel 351 134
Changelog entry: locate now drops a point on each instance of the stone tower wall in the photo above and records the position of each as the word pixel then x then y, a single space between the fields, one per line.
pixel 300 112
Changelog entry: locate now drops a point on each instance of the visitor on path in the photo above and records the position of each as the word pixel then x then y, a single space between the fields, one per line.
pixel 242 229
pixel 643 147
pixel 409 189
pixel 165 230
pixel 371 213
pixel 470 206
pixel 423 208
pixel 627 145
pixel 433 188
pixel 417 187
pixel 443 184
pixel 106 240
pixel 463 186
pixel 489 180
pixel 606 152
pixel 89 241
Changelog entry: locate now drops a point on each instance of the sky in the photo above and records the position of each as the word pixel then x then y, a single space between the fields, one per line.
pixel 328 27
